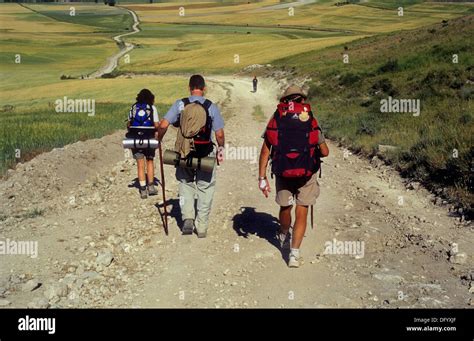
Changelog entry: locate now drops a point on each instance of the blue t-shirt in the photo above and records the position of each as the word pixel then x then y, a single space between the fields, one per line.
pixel 178 106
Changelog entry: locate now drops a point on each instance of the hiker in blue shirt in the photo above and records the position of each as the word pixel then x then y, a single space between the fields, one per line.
pixel 196 181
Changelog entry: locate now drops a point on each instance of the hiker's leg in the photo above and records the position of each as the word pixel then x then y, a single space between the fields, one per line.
pixel 285 219
pixel 141 170
pixel 299 228
pixel 285 199
pixel 206 185
pixel 140 157
pixel 150 170
pixel 187 189
pixel 306 196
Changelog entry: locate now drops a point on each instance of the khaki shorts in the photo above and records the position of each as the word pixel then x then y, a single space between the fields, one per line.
pixel 297 191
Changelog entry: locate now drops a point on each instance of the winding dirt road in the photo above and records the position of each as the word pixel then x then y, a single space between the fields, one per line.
pixel 125 47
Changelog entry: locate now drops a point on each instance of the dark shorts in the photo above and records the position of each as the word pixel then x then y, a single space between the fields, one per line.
pixel 143 153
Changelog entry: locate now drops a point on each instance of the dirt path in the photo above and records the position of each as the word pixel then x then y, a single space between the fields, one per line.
pixel 99 245
pixel 125 47
pixel 80 205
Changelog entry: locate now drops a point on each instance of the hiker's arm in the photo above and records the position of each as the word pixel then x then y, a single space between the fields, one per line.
pixel 170 118
pixel 217 125
pixel 220 145
pixel 162 128
pixel 324 150
pixel 323 147
pixel 263 183
pixel 156 120
pixel 263 161
pixel 220 138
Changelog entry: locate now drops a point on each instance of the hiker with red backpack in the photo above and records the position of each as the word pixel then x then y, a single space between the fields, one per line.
pixel 196 117
pixel 295 143
pixel 142 124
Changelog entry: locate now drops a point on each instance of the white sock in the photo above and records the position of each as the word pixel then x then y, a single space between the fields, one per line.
pixel 295 253
pixel 142 183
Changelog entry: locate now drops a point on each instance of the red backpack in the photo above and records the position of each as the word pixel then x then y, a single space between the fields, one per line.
pixel 293 134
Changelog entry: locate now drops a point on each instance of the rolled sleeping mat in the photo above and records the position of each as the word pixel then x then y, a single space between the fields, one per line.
pixel 140 143
pixel 206 164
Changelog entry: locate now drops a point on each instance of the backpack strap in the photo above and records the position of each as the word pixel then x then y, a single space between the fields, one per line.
pixel 207 105
pixel 185 101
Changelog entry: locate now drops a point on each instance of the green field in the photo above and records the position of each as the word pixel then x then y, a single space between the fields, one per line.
pixel 65 46
pixel 356 18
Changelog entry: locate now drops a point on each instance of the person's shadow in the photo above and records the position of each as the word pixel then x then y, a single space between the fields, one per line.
pixel 261 224
pixel 174 213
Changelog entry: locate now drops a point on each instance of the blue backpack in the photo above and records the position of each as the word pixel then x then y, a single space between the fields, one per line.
pixel 142 115
pixel 141 122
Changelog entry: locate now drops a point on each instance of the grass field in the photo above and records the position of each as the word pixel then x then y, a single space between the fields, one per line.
pixel 188 48
pixel 325 16
pixel 436 147
pixel 51 44
pixel 256 33
pixel 38 130
pixel 101 18
pixel 48 48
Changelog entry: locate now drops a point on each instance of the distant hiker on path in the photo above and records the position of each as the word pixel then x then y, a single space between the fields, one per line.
pixel 294 142
pixel 187 112
pixel 255 82
pixel 142 123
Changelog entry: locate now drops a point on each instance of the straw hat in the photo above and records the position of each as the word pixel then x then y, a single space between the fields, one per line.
pixel 293 90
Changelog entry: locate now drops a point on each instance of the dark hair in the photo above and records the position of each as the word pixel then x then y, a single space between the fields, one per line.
pixel 146 96
pixel 293 98
pixel 197 82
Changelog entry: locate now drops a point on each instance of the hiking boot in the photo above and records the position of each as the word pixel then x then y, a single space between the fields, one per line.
pixel 143 193
pixel 152 190
pixel 285 240
pixel 201 234
pixel 188 226
pixel 295 262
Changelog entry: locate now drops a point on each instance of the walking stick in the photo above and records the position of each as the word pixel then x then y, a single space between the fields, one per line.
pixel 312 221
pixel 165 221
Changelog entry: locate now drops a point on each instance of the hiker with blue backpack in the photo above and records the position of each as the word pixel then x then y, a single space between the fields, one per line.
pixel 294 143
pixel 142 124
